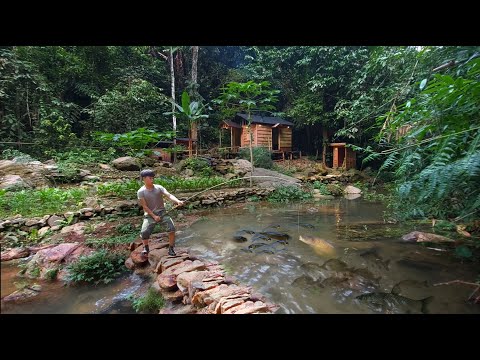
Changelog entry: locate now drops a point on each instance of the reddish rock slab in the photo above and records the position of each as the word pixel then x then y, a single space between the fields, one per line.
pixel 15 253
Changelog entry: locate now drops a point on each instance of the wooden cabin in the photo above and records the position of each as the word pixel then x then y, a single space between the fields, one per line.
pixel 273 133
pixel 343 157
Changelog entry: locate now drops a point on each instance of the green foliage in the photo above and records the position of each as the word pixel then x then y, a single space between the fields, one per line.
pixel 136 141
pixel 444 225
pixel 246 97
pixel 306 109
pixel 33 235
pixel 21 90
pixel 111 241
pixel 374 196
pixel 55 132
pixel 198 165
pixel 192 112
pixel 101 266
pixel 68 162
pixel 289 170
pixel 84 156
pixel 151 302
pixel 20 157
pixel 321 187
pixel 129 189
pixel 261 157
pixel 435 154
pixel 47 201
pixel 288 193
pixel 68 171
pixel 130 105
pixel 177 183
pixel 35 272
pixel 125 189
pixel 51 274
pixel 125 228
pixel 376 193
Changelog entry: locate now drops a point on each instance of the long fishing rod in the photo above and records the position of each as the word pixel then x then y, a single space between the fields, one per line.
pixel 226 182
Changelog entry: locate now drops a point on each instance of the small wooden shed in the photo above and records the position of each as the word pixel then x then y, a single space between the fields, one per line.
pixel 271 132
pixel 343 157
pixel 165 144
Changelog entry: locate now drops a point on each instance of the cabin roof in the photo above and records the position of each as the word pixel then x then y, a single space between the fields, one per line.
pixel 270 120
pixel 231 124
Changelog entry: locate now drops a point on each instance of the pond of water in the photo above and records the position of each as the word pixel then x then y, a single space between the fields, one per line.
pixel 333 257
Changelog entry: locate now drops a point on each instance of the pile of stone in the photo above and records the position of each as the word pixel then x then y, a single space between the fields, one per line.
pixel 201 286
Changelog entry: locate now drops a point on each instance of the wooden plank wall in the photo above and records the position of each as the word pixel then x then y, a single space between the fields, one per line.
pixel 245 138
pixel 264 136
pixel 285 139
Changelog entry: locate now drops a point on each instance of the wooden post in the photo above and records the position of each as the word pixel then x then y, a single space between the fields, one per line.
pixel 335 157
pixel 279 137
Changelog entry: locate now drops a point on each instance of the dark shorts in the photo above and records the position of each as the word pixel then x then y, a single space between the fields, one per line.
pixel 149 224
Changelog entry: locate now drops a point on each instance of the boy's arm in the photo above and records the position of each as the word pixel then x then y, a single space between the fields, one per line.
pixel 172 197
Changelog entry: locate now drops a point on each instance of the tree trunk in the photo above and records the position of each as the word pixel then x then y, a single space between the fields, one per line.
pixel 324 141
pixel 172 74
pixel 190 139
pixel 194 66
pixel 194 130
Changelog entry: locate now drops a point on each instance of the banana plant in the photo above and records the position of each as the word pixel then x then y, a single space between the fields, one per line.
pixel 192 111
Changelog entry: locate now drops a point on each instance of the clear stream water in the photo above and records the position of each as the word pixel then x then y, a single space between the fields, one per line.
pixel 366 255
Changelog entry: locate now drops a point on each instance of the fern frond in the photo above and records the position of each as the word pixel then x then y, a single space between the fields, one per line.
pixel 389 162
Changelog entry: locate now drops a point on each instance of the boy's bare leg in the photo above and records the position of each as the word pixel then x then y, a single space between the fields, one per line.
pixel 171 238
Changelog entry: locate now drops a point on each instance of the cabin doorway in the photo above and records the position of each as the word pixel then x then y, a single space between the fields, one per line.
pixel 275 136
pixel 236 137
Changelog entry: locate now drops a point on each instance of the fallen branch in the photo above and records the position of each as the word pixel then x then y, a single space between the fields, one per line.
pixel 458 282
pixel 471 297
pixel 477 299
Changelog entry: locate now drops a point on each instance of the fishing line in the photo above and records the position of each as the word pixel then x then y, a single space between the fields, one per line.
pixel 226 182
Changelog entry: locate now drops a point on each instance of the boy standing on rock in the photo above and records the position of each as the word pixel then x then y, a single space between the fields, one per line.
pixel 151 198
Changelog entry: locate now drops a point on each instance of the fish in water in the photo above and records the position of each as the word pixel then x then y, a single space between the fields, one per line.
pixel 306 225
pixel 397 289
pixel 320 246
pixel 375 261
pixel 390 303
pixel 240 235
pixel 260 238
pixel 275 235
pixel 335 265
